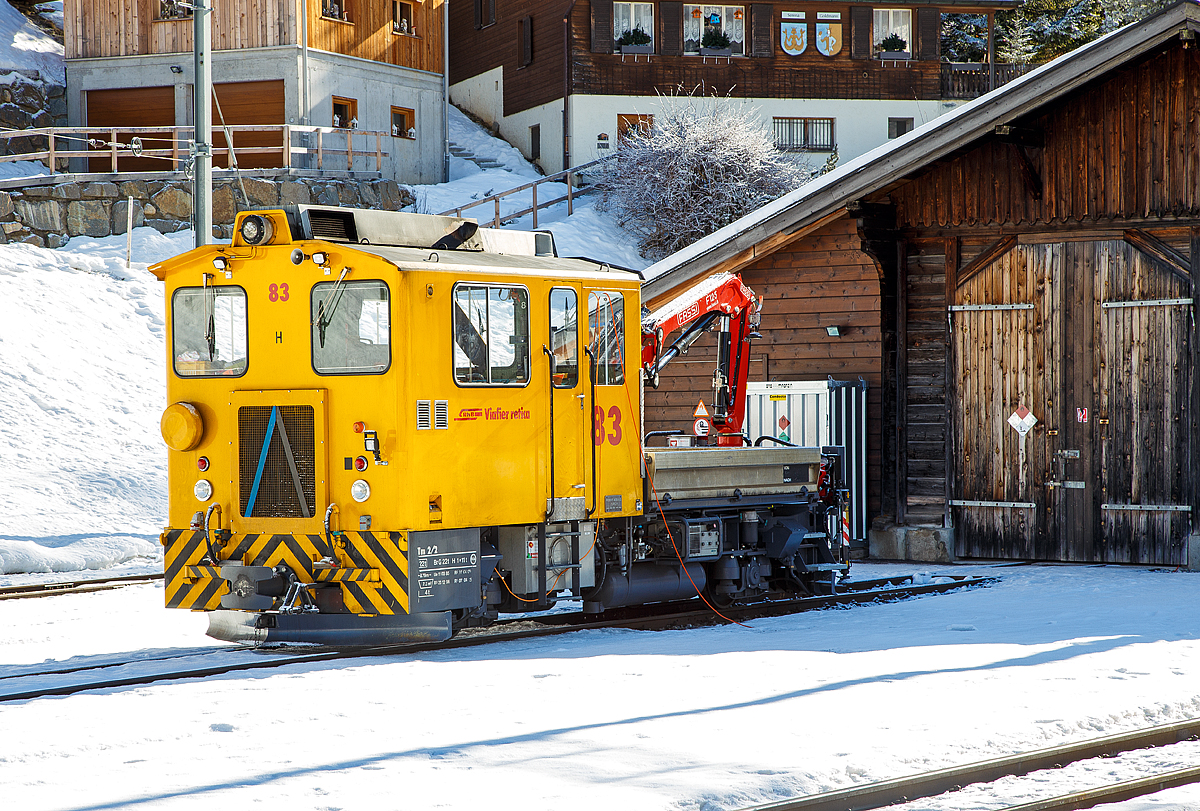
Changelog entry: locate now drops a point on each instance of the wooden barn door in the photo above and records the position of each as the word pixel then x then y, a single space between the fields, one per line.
pixel 1144 364
pixel 1088 343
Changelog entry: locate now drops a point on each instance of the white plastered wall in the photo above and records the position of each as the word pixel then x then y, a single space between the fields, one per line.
pixel 859 126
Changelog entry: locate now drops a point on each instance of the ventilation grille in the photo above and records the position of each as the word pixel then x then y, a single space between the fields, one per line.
pixel 441 414
pixel 276 496
pixel 423 423
pixel 332 226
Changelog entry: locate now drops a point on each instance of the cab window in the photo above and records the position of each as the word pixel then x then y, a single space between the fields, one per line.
pixel 564 337
pixel 351 328
pixel 606 328
pixel 208 326
pixel 491 335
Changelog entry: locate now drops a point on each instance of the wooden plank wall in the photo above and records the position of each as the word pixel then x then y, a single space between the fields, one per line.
pixel 821 280
pixel 101 28
pixel 1125 148
pixel 922 427
pixel 809 75
pixel 477 51
pixel 369 35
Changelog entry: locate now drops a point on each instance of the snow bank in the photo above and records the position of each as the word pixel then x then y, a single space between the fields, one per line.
pixel 23 46
pixel 82 464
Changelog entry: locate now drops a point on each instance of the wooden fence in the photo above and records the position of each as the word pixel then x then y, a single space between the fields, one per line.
pixel 286 146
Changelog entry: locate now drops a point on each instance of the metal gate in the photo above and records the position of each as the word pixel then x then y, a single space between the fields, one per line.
pixel 813 414
pixel 1071 373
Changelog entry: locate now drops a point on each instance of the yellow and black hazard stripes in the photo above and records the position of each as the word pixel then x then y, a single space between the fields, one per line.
pixel 297 552
pixel 386 552
pixel 374 582
pixel 189 585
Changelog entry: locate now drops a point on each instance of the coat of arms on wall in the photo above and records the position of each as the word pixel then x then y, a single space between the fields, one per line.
pixel 829 32
pixel 793 37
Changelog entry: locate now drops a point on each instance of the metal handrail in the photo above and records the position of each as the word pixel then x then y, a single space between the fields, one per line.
pixel 569 197
pixel 117 142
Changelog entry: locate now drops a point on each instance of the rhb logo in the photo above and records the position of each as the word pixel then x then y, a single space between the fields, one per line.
pixel 468 414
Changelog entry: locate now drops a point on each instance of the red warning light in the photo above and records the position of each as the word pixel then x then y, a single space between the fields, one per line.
pixel 359 427
pixel 360 463
pixel 202 463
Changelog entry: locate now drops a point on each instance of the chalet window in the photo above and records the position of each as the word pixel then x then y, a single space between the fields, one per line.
pixel 336 10
pixel 345 113
pixel 893 30
pixel 804 134
pixel 525 41
pixel 485 13
pixel 713 27
pixel 402 18
pixel 173 10
pixel 404 123
pixel 899 126
pixel 630 18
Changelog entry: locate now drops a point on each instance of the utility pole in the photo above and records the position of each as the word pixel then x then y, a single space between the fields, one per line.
pixel 202 150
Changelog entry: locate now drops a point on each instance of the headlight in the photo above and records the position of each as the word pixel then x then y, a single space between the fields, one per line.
pixel 203 490
pixel 360 491
pixel 256 229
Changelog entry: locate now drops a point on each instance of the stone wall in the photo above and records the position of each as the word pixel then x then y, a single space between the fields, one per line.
pixel 49 215
pixel 27 102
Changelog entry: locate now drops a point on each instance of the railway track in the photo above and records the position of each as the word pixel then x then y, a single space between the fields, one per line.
pixel 74 586
pixel 931 784
pixel 23 685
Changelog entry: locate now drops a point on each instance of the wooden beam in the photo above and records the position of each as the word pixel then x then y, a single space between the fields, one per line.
pixel 991 254
pixel 1158 250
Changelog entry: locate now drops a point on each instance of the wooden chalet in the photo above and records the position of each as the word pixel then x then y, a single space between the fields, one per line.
pixel 823 76
pixel 1017 282
pixel 362 64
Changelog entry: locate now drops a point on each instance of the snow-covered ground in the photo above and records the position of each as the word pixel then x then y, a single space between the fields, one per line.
pixel 587 233
pixel 712 718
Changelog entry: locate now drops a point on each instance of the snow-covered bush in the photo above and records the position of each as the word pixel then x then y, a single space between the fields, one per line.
pixel 703 164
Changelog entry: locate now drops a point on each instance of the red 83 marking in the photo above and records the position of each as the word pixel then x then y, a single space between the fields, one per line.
pixel 278 292
pixel 598 433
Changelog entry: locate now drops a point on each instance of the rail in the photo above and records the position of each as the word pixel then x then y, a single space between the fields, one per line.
pixel 571 178
pixel 266 146
pixel 970 80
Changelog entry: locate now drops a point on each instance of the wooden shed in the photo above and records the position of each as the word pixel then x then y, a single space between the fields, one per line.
pixel 1018 283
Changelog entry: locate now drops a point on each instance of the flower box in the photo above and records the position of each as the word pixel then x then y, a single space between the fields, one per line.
pixel 637 49
pixel 895 55
pixel 716 51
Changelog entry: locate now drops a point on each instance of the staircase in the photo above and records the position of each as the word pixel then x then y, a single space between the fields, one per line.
pixel 466 154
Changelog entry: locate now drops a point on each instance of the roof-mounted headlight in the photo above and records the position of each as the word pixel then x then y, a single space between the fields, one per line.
pixel 256 229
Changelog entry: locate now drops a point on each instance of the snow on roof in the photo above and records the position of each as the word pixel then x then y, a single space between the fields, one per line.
pixel 920 147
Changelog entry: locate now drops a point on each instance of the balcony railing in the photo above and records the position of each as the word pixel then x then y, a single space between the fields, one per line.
pixel 970 80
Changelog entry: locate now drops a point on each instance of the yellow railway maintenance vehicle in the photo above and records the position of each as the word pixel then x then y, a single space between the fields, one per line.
pixel 384 427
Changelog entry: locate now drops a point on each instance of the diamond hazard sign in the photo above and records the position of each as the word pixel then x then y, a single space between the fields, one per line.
pixel 784 422
pixel 1022 420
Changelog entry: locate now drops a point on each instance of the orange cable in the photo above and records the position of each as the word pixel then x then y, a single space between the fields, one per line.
pixel 680 557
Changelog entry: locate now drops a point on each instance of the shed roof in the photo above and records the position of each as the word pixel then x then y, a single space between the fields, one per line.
pixel 816 202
